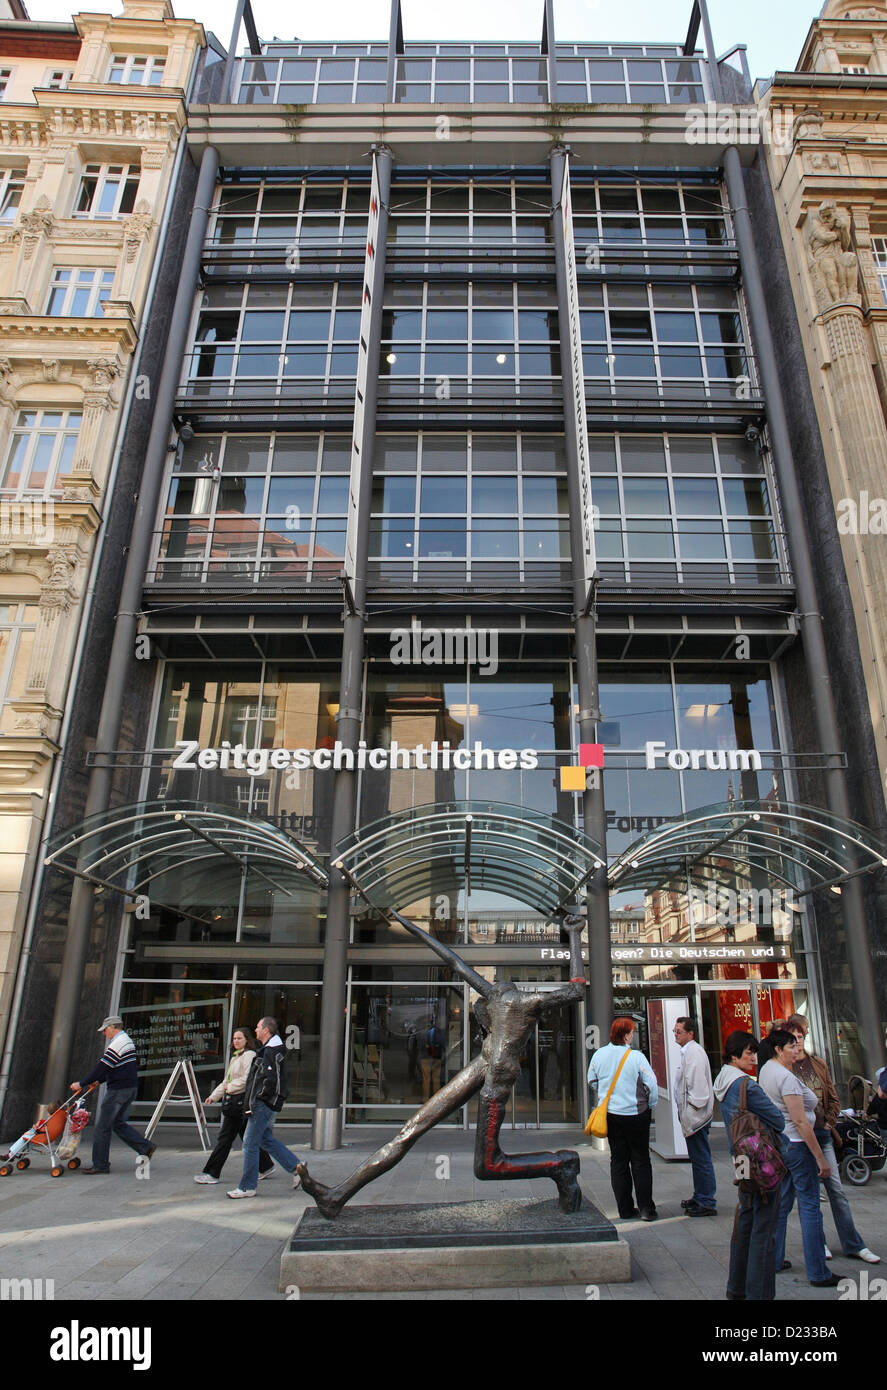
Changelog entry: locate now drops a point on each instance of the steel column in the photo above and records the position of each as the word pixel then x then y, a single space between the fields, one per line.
pixel 73 965
pixel 593 807
pixel 326 1132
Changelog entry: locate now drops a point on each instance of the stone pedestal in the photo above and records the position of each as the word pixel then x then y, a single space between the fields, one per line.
pixel 453 1245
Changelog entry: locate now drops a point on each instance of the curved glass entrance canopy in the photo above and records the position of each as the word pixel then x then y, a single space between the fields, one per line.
pixel 132 848
pixel 801 846
pixel 469 845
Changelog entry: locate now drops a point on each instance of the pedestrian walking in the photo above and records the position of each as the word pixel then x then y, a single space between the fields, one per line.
pixel 803 1156
pixel 695 1101
pixel 813 1072
pixel 263 1099
pixel 118 1068
pixel 629 1114
pixel 752 1273
pixel 230 1092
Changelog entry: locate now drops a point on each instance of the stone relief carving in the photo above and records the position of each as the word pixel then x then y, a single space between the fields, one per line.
pixel 51 366
pixel 103 370
pixel 57 591
pixel 138 228
pixel 833 264
pixel 34 225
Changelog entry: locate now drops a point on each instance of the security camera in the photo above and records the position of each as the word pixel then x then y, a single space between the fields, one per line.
pixel 186 433
pixel 753 435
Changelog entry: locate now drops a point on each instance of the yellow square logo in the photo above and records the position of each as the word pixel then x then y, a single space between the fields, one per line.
pixel 573 779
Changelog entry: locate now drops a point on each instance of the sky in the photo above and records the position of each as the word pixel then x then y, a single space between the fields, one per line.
pixel 773 32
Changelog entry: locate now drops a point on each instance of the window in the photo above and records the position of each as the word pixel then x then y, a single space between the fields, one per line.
pixel 17 627
pixel 854 69
pixel 12 185
pixel 137 71
pixel 879 251
pixel 107 190
pixel 5 79
pixel 41 448
pixel 78 293
pixel 57 79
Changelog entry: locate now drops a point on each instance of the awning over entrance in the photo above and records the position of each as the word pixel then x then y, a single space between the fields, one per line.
pixel 469 845
pixel 801 846
pixel 134 848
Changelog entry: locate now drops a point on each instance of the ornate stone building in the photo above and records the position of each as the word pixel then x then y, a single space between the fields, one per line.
pixel 829 174
pixel 91 120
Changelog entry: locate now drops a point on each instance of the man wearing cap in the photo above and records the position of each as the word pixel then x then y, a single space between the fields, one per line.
pixel 118 1067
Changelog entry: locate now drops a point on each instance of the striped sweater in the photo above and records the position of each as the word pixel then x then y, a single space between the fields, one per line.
pixel 118 1066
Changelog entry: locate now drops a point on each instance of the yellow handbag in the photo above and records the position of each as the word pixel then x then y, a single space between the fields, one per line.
pixel 596 1124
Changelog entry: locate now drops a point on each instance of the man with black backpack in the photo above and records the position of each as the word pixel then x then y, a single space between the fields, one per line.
pixel 754 1125
pixel 263 1099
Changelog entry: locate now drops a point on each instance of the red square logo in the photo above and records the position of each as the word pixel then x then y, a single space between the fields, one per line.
pixel 591 755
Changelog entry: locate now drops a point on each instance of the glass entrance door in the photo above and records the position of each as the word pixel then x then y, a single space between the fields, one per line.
pixel 546 1092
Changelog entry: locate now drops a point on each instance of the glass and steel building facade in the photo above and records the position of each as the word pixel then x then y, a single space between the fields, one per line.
pixel 469 618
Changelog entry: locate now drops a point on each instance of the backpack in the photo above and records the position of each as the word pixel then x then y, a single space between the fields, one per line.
pixel 757 1160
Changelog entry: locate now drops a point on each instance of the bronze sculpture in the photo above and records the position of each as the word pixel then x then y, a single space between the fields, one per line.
pixel 507 1016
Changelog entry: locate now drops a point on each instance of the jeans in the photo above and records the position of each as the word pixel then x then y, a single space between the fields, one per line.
pixel 802 1179
pixel 851 1241
pixel 629 1137
pixel 232 1126
pixel 112 1116
pixel 704 1183
pixel 753 1248
pixel 260 1135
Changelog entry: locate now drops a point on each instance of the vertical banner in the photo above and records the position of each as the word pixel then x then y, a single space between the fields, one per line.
pixel 577 374
pixel 363 370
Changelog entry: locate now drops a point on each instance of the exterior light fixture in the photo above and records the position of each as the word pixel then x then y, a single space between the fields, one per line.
pixel 391 358
pixel 501 358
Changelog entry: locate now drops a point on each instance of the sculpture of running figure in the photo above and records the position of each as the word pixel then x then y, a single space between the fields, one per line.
pixel 507 1016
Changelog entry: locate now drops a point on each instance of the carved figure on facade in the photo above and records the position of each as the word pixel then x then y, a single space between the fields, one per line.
pixel 57 591
pixel 833 263
pixel 138 228
pixel 103 370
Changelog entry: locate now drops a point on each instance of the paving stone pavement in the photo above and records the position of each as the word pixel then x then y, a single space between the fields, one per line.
pixel 163 1237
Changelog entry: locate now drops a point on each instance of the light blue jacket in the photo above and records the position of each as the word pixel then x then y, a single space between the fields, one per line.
pixel 637 1089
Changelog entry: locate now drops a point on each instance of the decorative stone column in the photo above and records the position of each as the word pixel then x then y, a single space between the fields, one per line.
pixel 34 231
pixel 131 279
pixel 56 596
pixel 858 412
pixel 97 402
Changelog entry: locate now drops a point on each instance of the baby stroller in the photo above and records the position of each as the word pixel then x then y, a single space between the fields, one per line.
pixel 58 1135
pixel 864 1151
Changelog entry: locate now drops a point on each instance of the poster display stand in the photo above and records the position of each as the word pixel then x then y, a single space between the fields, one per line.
pixel 665 1056
pixel 186 1070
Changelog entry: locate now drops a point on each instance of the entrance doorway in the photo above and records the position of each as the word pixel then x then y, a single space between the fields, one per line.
pixel 547 1090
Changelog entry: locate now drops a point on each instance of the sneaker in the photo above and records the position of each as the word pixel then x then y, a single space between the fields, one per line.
pixel 205 1177
pixel 701 1211
pixel 688 1203
pixel 649 1214
pixel 242 1192
pixel 865 1254
pixel 830 1283
pixel 297 1181
pixel 268 1173
pixel 828 1254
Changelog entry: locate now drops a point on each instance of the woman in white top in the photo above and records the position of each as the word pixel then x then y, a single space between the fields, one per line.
pixel 803 1156
pixel 230 1092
